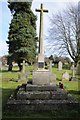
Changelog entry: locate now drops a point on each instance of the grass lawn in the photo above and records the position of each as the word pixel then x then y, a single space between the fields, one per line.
pixel 9 83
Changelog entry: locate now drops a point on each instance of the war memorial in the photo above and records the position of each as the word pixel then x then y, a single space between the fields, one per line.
pixel 41 95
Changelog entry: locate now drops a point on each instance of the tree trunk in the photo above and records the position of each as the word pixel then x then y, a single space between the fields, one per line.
pixel 78 68
pixel 10 67
pixel 20 66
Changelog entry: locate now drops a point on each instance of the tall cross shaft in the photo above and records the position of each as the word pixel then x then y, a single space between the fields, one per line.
pixel 41 42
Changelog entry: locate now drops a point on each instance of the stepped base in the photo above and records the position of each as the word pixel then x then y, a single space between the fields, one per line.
pixel 41 105
pixel 41 98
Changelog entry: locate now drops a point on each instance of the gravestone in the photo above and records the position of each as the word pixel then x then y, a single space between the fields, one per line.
pixel 41 76
pixel 50 66
pixel 65 76
pixel 60 66
pixel 22 75
pixel 23 68
pixel 73 68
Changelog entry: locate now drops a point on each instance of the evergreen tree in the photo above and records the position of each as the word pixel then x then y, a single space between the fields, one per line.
pixel 22 34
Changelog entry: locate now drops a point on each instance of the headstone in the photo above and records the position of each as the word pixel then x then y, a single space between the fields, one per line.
pixel 51 66
pixel 65 76
pixel 41 76
pixel 78 68
pixel 22 75
pixel 23 68
pixel 60 66
pixel 73 70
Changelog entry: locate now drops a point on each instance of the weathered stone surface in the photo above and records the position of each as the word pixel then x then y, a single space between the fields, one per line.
pixel 60 66
pixel 44 95
pixel 41 39
pixel 41 77
pixel 34 95
pixel 41 88
pixel 44 102
pixel 22 77
pixel 52 79
pixel 41 105
pixel 65 76
pixel 41 98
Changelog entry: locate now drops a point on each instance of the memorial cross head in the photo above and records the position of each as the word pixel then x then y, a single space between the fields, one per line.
pixel 73 67
pixel 23 64
pixel 41 9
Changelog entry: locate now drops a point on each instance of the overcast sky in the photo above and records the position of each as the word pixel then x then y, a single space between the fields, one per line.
pixel 53 6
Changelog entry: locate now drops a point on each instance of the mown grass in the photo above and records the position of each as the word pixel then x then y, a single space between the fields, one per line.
pixel 50 115
pixel 9 83
pixel 60 73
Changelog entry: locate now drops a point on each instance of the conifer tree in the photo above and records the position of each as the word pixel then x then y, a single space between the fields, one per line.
pixel 22 34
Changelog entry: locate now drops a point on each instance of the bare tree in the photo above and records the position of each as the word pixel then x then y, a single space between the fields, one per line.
pixel 64 33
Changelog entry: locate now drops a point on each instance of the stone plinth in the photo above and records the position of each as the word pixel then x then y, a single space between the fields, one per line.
pixel 40 61
pixel 40 98
pixel 41 77
pixel 44 92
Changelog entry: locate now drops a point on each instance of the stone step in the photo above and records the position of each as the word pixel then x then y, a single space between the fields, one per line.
pixel 40 98
pixel 42 95
pixel 28 102
pixel 41 88
pixel 41 105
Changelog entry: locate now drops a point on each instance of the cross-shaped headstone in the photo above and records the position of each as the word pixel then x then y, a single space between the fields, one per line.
pixel 41 46
pixel 73 68
pixel 23 68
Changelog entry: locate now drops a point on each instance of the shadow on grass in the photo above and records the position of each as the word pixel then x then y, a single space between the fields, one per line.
pixel 59 79
pixel 5 96
pixel 9 71
pixel 74 92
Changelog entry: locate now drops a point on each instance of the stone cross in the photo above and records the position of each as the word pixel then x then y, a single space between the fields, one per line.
pixel 23 64
pixel 73 70
pixel 41 46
